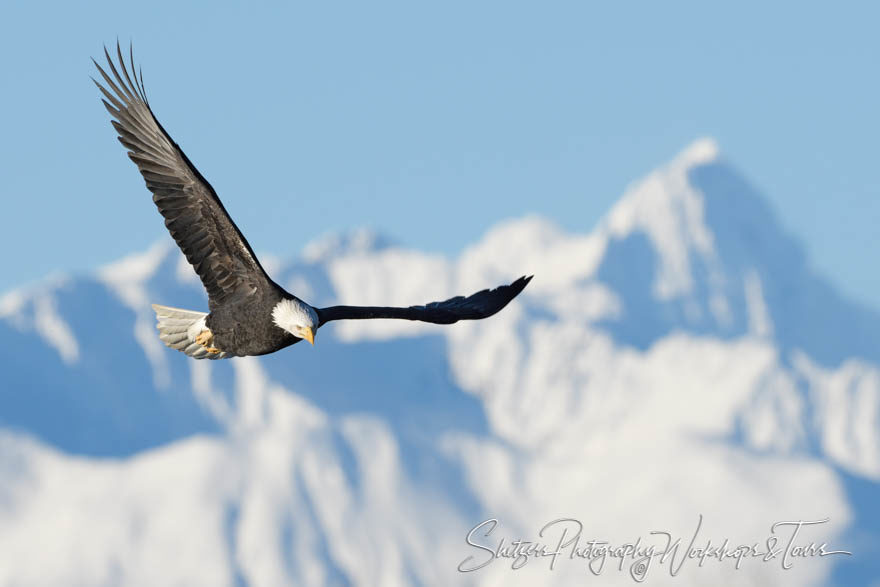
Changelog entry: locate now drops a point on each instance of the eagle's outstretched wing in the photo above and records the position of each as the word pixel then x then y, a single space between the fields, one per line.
pixel 474 307
pixel 193 213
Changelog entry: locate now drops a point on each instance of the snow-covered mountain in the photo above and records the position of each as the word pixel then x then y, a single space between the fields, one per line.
pixel 680 360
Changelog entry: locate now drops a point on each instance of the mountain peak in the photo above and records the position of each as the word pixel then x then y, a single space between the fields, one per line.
pixel 695 246
pixel 669 210
pixel 700 152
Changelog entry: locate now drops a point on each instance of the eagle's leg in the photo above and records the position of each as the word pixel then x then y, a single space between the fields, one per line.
pixel 205 338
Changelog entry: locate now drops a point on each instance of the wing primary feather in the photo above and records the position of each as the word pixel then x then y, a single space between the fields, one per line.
pixel 122 65
pixel 143 87
pixel 108 80
pixel 125 91
pixel 135 72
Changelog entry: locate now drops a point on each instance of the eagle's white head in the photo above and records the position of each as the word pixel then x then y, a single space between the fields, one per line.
pixel 297 318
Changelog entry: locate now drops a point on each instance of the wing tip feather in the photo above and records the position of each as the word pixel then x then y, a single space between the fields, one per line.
pixel 518 285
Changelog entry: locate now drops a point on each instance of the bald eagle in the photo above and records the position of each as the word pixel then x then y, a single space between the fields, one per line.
pixel 249 313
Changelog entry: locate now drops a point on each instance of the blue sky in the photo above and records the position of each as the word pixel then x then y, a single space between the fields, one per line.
pixel 432 122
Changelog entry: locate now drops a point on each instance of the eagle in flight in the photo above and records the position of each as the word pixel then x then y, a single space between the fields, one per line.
pixel 249 313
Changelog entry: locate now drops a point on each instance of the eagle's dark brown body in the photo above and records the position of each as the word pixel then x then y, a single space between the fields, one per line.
pixel 246 327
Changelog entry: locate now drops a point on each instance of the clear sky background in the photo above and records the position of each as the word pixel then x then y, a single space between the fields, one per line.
pixel 430 123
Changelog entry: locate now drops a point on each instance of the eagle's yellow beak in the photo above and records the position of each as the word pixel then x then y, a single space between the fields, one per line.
pixel 309 335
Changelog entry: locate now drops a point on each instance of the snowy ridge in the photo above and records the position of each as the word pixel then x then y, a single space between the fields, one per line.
pixel 670 211
pixel 669 364
pixel 37 311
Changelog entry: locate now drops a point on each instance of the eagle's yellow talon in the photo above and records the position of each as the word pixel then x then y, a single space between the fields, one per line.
pixel 205 338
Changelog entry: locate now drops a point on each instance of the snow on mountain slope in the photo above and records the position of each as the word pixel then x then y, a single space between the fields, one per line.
pixel 270 504
pixel 679 360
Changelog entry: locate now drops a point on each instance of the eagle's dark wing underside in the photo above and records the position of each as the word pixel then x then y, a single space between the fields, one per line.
pixel 193 213
pixel 474 307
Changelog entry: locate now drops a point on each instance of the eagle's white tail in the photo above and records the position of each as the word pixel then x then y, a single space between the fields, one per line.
pixel 178 329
